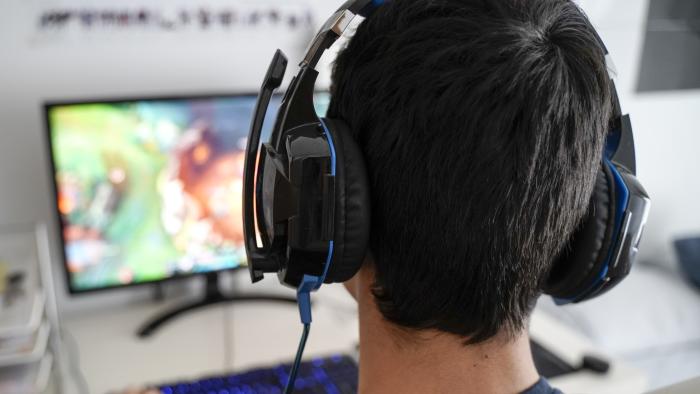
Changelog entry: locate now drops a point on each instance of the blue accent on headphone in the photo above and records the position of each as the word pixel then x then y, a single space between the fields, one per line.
pixel 371 7
pixel 621 201
pixel 331 145
pixel 327 265
pixel 612 143
pixel 317 281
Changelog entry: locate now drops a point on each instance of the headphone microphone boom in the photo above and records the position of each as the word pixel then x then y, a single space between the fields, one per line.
pixel 307 191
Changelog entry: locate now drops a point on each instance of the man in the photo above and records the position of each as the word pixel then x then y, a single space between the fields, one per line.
pixel 482 124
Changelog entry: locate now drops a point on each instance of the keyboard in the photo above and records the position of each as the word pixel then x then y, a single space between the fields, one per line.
pixel 332 375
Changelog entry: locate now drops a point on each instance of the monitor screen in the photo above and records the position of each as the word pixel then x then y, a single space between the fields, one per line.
pixel 151 189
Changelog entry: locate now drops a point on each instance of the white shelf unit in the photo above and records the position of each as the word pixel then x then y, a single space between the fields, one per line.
pixel 30 346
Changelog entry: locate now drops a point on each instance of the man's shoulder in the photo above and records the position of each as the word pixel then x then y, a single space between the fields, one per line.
pixel 542 387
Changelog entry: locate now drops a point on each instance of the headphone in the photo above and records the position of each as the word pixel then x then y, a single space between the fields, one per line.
pixel 308 190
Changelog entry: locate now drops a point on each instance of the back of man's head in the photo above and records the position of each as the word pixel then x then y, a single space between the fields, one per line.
pixel 482 124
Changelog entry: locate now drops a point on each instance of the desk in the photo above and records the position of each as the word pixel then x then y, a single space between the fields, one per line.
pixel 230 337
pixel 213 340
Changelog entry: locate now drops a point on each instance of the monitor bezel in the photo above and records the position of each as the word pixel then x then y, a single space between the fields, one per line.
pixel 59 225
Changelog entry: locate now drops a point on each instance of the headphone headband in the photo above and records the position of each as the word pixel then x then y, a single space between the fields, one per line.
pixel 335 26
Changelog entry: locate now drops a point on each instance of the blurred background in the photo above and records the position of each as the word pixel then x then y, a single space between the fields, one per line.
pixel 205 59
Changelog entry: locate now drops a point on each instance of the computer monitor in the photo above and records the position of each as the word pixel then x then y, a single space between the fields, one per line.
pixel 150 189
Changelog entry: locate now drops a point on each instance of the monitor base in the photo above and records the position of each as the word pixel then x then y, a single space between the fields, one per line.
pixel 212 296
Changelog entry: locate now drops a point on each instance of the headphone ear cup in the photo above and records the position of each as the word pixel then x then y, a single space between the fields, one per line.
pixel 582 260
pixel 352 207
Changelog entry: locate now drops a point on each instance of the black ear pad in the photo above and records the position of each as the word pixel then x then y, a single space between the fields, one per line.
pixel 352 208
pixel 582 260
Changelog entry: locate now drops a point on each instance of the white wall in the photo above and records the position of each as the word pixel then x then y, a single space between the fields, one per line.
pixel 34 69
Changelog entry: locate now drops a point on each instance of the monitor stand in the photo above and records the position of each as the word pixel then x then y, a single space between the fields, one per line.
pixel 213 295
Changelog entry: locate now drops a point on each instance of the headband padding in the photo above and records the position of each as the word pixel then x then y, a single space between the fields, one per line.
pixel 352 208
pixel 576 270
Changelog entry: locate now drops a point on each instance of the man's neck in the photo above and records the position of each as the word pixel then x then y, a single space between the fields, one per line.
pixel 396 361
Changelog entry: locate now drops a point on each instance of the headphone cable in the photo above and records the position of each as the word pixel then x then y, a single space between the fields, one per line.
pixel 297 359
pixel 307 285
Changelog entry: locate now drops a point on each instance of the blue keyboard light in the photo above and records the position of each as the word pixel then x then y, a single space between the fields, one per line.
pixel 331 375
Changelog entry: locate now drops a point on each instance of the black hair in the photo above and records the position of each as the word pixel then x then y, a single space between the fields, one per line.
pixel 483 125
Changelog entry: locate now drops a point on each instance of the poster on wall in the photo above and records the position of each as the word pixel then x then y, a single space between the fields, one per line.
pixel 84 20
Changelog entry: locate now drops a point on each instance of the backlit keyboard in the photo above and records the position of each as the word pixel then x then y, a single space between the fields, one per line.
pixel 333 375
